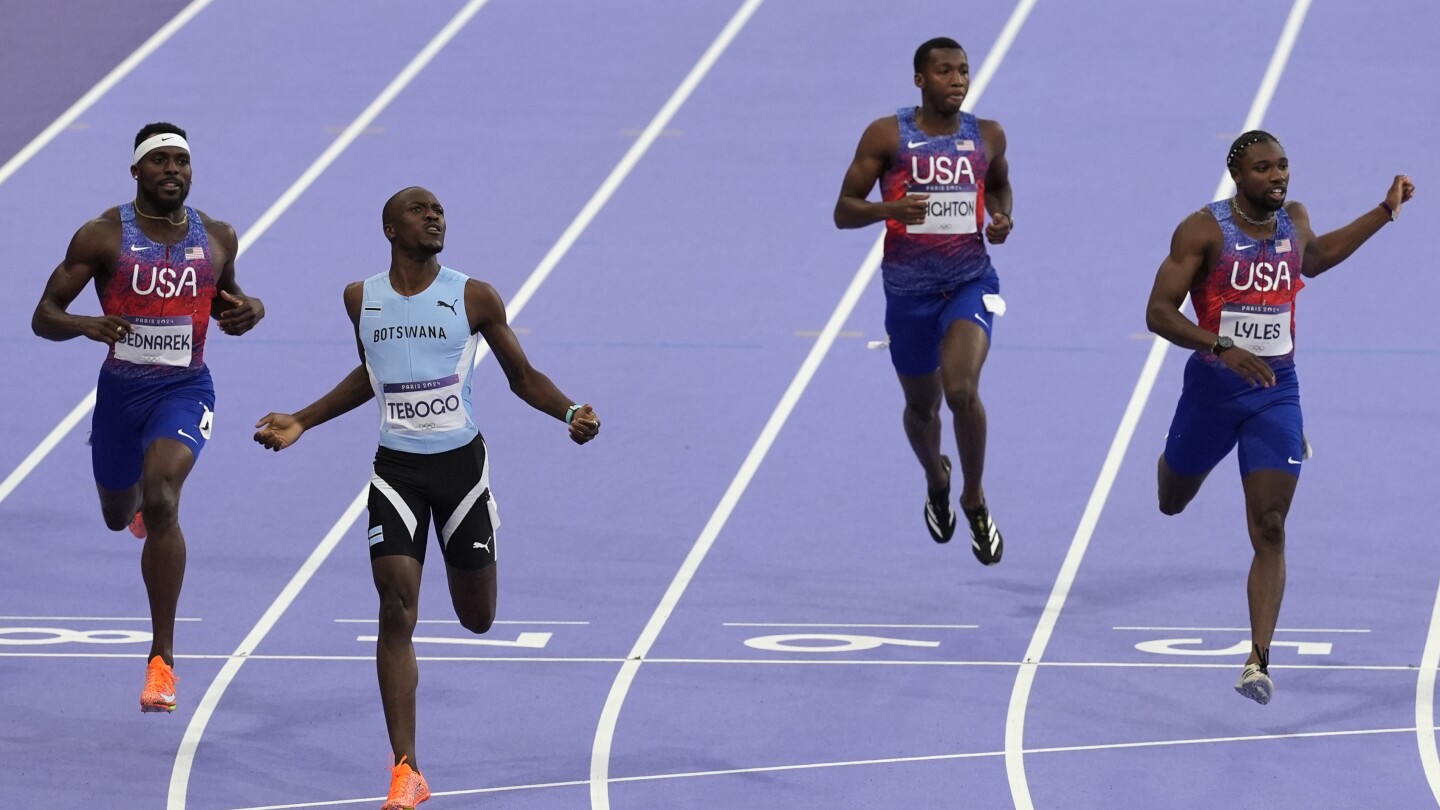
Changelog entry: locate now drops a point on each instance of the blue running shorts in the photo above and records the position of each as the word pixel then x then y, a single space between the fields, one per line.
pixel 130 413
pixel 1219 410
pixel 917 324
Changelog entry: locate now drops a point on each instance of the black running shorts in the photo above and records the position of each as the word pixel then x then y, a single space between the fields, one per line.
pixel 453 486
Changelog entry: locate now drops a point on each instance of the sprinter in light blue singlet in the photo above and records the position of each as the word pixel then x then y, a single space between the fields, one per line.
pixel 418 326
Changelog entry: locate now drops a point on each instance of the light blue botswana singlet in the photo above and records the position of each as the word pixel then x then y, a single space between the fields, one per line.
pixel 420 353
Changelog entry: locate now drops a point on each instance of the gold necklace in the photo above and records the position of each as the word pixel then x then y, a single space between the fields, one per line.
pixel 1259 223
pixel 184 217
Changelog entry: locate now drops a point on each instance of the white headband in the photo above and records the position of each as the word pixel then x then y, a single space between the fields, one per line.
pixel 157 141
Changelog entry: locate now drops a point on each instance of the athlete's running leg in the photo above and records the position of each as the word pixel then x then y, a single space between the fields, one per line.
pixel 472 592
pixel 162 562
pixel 118 506
pixel 922 426
pixel 397 579
pixel 1267 503
pixel 962 355
pixel 1176 490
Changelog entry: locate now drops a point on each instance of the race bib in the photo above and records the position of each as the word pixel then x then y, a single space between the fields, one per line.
pixel 948 212
pixel 1260 329
pixel 157 341
pixel 418 408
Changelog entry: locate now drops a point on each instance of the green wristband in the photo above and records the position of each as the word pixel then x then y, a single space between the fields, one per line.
pixel 570 413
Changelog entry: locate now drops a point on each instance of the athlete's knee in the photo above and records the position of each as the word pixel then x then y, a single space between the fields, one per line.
pixel 398 612
pixel 478 622
pixel 1171 504
pixel 962 394
pixel 1268 530
pixel 160 506
pixel 115 519
pixel 922 412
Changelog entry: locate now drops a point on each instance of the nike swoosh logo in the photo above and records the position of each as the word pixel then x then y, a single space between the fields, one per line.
pixel 138 249
pixel 1293 461
pixel 170 698
pixel 186 435
pixel 981 319
pixel 1239 246
pixel 913 144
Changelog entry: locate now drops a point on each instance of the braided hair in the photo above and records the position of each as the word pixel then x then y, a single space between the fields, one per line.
pixel 1245 141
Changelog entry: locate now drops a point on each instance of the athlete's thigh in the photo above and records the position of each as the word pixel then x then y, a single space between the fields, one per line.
pixel 399 505
pixel 168 463
pixel 467 517
pixel 1273 438
pixel 116 450
pixel 1268 492
pixel 184 415
pixel 968 321
pixel 1204 428
pixel 912 326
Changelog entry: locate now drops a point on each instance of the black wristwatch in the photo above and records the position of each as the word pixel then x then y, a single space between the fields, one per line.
pixel 1221 344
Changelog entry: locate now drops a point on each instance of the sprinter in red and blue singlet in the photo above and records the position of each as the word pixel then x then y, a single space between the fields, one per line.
pixel 940 170
pixel 1243 261
pixel 161 270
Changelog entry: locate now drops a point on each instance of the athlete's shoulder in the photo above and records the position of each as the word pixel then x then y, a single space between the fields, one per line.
pixel 100 235
pixel 1199 228
pixel 993 134
pixel 1296 211
pixel 885 130
pixel 217 228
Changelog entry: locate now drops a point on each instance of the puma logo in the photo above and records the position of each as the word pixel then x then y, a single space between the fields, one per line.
pixel 450 306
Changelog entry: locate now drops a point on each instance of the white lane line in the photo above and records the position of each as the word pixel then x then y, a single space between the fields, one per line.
pixel 1025 676
pixel 1242 629
pixel 456 622
pixel 185 757
pixel 867 762
pixel 874 626
pixel 85 619
pixel 1425 703
pixel 615 700
pixel 102 87
pixel 370 659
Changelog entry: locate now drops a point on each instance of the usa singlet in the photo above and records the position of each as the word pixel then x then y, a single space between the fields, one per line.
pixel 419 352
pixel 948 249
pixel 165 292
pixel 1249 295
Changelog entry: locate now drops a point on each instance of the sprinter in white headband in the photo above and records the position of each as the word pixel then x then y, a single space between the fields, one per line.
pixel 162 271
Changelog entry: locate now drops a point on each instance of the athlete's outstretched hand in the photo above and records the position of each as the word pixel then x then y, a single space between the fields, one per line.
pixel 999 228
pixel 279 430
pixel 584 425
pixel 1400 192
pixel 108 329
pixel 242 317
pixel 909 210
pixel 1253 369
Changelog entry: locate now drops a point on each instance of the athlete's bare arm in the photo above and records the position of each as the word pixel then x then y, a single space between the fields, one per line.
pixel 487 317
pixel 236 312
pixel 1193 248
pixel 1320 253
pixel 999 200
pixel 91 256
pixel 880 142
pixel 278 431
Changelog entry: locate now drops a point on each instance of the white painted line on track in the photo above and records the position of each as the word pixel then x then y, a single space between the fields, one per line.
pixel 85 619
pixel 1243 629
pixel 871 626
pixel 114 77
pixel 1425 703
pixel 456 622
pixel 615 700
pixel 185 757
pixel 1035 652
pixel 369 659
pixel 868 762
